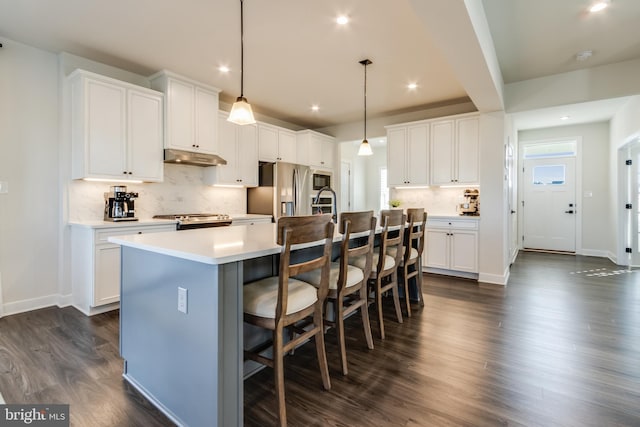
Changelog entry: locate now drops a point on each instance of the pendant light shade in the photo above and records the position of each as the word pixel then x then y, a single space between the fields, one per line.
pixel 365 147
pixel 241 112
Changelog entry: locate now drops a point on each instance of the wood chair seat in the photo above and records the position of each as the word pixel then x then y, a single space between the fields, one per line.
pixel 355 276
pixel 412 255
pixel 261 298
pixel 389 262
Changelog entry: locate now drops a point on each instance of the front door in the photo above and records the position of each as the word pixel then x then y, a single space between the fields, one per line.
pixel 549 211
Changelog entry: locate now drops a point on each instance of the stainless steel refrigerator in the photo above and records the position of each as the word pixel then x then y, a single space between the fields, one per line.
pixel 284 190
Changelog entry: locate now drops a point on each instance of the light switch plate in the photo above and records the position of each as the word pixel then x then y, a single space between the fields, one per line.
pixel 182 300
pixel 4 187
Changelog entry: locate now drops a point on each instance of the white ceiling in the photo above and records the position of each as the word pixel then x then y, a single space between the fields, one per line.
pixel 296 55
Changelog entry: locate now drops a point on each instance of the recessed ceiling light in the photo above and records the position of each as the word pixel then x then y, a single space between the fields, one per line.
pixel 412 86
pixel 584 55
pixel 598 6
pixel 223 69
pixel 564 118
pixel 342 20
pixel 315 108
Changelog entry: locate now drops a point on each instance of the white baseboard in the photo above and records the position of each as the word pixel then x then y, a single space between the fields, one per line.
pixel 65 300
pixel 613 257
pixel 594 252
pixel 97 310
pixel 495 279
pixel 453 273
pixel 22 306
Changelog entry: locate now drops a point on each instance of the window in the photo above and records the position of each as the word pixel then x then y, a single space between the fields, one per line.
pixel 549 175
pixel 384 189
pixel 553 149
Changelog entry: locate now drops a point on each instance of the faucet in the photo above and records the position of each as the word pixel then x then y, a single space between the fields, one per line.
pixel 334 216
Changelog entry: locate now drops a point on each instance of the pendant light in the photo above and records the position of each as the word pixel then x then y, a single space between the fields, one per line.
pixel 241 113
pixel 365 148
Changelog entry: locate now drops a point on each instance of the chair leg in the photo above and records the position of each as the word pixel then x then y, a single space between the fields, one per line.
pixel 396 297
pixel 322 355
pixel 406 289
pixel 278 371
pixel 339 305
pixel 364 311
pixel 379 306
pixel 419 282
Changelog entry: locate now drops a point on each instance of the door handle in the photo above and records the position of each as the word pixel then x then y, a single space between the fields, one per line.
pixel 512 211
pixel 568 212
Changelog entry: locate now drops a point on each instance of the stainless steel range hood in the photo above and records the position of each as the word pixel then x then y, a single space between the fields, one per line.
pixel 190 158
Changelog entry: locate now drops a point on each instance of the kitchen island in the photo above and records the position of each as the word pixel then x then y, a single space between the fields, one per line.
pixel 181 317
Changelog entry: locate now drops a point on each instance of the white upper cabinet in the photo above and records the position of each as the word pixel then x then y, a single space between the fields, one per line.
pixel 276 144
pixel 455 147
pixel 407 152
pixel 116 129
pixel 191 111
pixel 239 147
pixel 315 150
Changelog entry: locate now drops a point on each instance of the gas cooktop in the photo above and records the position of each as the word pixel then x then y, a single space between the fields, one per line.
pixel 198 220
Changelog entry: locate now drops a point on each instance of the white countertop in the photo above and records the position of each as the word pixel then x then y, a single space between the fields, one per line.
pixel 120 224
pixel 456 217
pixel 219 245
pixel 248 216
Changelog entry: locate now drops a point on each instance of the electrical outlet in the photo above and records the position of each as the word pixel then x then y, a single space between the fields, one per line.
pixel 4 187
pixel 182 300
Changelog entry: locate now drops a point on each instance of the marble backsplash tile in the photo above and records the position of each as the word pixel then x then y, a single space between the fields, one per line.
pixel 435 200
pixel 182 191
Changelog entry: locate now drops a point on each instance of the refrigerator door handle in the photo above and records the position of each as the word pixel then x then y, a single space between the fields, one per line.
pixel 295 191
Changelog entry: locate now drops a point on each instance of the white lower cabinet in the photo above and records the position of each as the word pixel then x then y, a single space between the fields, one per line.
pixel 451 245
pixel 95 264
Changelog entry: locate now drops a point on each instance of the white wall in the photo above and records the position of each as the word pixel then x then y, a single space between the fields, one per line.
pixel 595 180
pixel 36 162
pixel 625 126
pixel 365 174
pixel 493 254
pixel 29 212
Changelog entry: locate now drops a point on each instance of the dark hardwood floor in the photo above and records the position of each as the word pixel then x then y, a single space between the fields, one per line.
pixel 560 346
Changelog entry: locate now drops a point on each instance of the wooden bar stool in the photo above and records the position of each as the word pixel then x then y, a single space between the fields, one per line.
pixel 413 248
pixel 384 271
pixel 281 301
pixel 348 283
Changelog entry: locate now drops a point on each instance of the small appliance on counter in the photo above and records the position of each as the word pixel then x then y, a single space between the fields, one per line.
pixel 471 204
pixel 118 204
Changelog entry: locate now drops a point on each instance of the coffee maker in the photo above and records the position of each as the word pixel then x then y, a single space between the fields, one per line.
pixel 118 204
pixel 471 205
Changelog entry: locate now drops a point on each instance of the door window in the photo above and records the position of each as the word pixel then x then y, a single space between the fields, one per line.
pixel 548 175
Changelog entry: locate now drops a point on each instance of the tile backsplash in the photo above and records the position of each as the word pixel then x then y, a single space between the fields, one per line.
pixel 182 191
pixel 435 200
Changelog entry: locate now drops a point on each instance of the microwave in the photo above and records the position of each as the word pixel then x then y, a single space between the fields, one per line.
pixel 320 180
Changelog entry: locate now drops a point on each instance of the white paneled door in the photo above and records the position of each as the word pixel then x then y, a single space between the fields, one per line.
pixel 549 210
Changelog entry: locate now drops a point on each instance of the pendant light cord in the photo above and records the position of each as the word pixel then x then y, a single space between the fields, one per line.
pixel 241 49
pixel 365 101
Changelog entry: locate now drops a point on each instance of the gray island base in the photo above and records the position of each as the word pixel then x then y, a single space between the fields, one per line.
pixel 188 364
